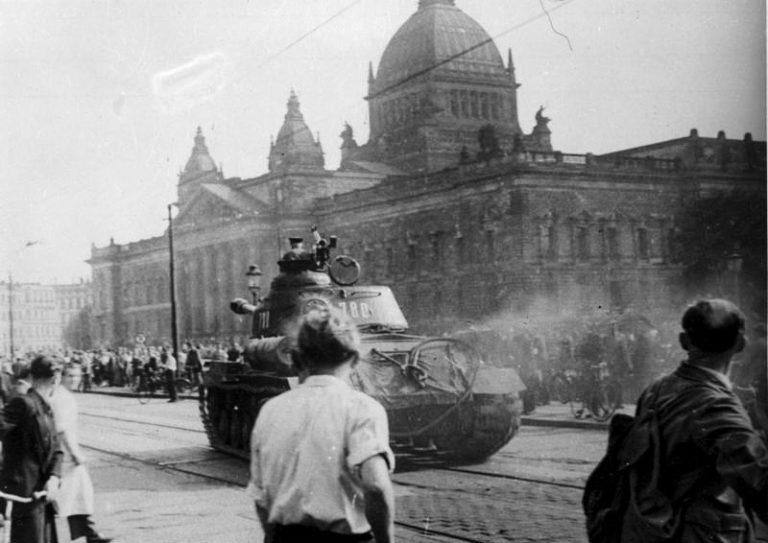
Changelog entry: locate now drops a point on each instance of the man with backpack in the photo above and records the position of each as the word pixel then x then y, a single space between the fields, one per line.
pixel 691 467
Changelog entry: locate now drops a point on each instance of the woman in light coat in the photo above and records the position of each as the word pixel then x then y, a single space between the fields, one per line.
pixel 75 497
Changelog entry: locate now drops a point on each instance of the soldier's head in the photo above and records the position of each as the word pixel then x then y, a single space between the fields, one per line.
pixel 713 327
pixel 325 340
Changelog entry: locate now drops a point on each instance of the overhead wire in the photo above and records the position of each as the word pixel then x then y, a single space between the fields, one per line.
pixel 435 65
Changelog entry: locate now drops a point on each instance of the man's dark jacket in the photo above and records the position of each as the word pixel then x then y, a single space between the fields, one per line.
pixel 714 463
pixel 31 452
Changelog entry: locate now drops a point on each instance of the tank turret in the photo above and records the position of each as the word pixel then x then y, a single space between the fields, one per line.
pixel 441 398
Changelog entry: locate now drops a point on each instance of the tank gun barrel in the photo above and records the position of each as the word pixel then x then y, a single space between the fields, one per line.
pixel 242 307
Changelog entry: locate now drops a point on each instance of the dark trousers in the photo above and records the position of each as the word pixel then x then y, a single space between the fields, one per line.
pixel 33 523
pixel 295 533
pixel 81 526
pixel 169 384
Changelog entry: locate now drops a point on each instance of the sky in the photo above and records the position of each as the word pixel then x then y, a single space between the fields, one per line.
pixel 100 100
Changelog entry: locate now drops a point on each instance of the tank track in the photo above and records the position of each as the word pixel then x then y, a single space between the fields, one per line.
pixel 470 432
pixel 475 431
pixel 212 426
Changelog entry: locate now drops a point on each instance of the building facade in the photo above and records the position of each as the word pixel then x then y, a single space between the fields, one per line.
pixel 449 202
pixel 74 302
pixel 29 318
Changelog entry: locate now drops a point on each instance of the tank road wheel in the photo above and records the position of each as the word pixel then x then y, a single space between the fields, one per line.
pixel 493 424
pixel 209 406
pixel 235 428
pixel 222 428
pixel 245 430
pixel 249 419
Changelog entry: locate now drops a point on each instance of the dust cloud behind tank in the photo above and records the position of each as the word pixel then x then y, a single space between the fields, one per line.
pixel 443 400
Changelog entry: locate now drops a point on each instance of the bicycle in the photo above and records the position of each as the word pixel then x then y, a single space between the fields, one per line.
pixel 10 499
pixel 147 385
pixel 595 394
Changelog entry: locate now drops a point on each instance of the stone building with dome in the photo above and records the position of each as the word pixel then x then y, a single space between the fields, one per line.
pixel 449 201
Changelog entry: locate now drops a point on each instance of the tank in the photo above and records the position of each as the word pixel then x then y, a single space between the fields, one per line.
pixel 442 398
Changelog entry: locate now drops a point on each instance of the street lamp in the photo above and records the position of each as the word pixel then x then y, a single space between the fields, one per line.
pixel 172 274
pixel 10 315
pixel 733 263
pixel 254 282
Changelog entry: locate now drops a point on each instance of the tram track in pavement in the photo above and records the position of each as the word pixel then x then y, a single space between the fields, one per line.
pixel 452 469
pixel 431 509
pixel 435 536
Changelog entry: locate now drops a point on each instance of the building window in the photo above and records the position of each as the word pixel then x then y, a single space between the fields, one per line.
pixel 455 103
pixel 474 104
pixel 437 249
pixel 552 246
pixel 460 250
pixel 437 301
pixel 495 106
pixel 612 241
pixel 484 105
pixel 642 243
pixel 464 104
pixel 490 245
pixel 368 260
pixel 412 257
pixel 582 243
pixel 616 295
pixel 671 245
pixel 390 260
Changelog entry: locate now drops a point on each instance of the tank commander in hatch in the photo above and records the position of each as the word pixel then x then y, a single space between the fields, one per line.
pixel 320 456
pixel 297 251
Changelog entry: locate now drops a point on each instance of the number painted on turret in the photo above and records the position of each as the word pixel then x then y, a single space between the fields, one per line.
pixel 263 320
pixel 356 310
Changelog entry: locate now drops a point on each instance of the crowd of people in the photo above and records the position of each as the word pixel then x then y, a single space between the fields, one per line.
pixel 122 366
pixel 630 349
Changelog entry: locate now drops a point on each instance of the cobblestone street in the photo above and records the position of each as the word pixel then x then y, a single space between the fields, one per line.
pixel 155 473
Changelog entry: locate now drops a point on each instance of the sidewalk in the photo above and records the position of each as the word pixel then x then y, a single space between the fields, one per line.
pixel 126 392
pixel 560 415
pixel 555 414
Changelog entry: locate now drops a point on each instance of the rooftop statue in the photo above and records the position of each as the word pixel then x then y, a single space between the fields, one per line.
pixel 541 120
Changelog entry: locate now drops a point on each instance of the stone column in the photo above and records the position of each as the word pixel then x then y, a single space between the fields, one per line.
pixel 202 293
pixel 209 290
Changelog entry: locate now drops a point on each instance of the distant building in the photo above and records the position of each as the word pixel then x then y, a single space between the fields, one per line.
pixel 74 302
pixel 450 201
pixel 29 318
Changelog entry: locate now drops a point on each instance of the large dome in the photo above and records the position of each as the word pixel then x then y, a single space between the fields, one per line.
pixel 437 32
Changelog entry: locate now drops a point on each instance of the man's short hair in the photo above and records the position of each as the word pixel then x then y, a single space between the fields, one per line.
pixel 326 338
pixel 714 326
pixel 42 367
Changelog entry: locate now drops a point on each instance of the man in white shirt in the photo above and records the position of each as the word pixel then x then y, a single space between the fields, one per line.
pixel 169 362
pixel 320 456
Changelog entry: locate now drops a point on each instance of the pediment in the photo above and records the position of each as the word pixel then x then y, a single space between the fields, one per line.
pixel 216 202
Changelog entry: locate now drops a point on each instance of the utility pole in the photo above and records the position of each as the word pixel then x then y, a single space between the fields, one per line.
pixel 10 315
pixel 174 326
